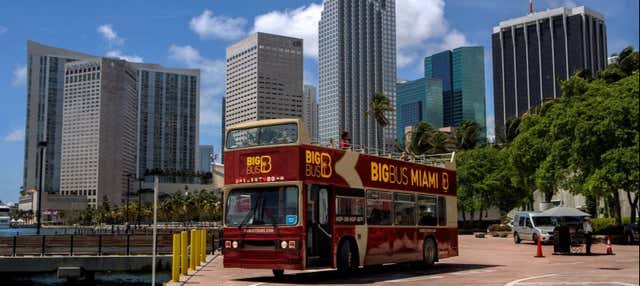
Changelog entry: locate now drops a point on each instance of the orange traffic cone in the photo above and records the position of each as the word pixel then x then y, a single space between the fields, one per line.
pixel 609 250
pixel 539 252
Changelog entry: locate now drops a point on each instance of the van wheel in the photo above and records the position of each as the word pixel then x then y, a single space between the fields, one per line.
pixel 346 258
pixel 516 238
pixel 278 273
pixel 429 252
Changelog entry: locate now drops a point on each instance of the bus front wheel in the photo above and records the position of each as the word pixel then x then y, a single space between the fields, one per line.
pixel 429 252
pixel 278 273
pixel 346 257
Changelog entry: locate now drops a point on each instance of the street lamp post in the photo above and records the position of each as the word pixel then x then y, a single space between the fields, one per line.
pixel 126 207
pixel 42 145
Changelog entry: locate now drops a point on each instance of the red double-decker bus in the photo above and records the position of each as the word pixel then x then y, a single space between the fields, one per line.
pixel 293 205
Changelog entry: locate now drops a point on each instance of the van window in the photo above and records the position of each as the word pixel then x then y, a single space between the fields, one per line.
pixel 521 221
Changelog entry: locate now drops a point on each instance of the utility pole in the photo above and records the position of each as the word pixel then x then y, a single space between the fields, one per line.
pixel 126 207
pixel 42 146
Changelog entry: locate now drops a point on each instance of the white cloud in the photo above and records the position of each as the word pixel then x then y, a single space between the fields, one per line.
pixel 3 29
pixel 301 22
pixel 558 3
pixel 16 135
pixel 491 128
pixel 19 75
pixel 130 58
pixel 212 77
pixel 209 26
pixel 422 29
pixel 110 35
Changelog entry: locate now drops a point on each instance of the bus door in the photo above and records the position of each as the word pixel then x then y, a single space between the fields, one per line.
pixel 318 225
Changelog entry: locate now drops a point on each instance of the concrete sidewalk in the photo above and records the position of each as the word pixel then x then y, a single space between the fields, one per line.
pixel 204 274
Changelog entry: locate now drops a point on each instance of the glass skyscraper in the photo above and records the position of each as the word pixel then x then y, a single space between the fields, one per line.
pixel 461 72
pixel 418 100
pixel 357 58
pixel 531 54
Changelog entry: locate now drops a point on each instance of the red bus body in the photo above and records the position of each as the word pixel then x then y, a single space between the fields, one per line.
pixel 307 165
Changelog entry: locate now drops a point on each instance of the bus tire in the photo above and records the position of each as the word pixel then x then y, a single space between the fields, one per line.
pixel 516 238
pixel 429 251
pixel 346 257
pixel 278 273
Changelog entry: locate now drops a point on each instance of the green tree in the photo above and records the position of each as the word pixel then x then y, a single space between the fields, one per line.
pixel 378 107
pixel 424 139
pixel 467 135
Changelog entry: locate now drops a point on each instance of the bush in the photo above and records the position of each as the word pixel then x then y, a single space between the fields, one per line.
pixel 498 227
pixel 607 225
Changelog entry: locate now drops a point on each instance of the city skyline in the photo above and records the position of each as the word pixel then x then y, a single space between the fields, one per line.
pixel 190 41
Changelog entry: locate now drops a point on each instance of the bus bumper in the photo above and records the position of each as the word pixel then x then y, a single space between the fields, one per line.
pixel 263 259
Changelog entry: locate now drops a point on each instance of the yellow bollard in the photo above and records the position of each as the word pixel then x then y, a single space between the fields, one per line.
pixel 183 252
pixel 196 252
pixel 192 257
pixel 203 246
pixel 175 259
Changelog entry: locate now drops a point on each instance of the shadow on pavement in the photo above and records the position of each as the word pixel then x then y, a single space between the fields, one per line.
pixel 366 275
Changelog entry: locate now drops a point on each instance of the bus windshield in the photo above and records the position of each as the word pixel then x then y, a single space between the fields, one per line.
pixel 262 135
pixel 262 206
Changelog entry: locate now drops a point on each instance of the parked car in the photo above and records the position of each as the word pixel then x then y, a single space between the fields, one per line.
pixel 530 226
pixel 631 234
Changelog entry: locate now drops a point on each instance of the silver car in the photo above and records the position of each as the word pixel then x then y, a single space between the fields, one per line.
pixel 530 226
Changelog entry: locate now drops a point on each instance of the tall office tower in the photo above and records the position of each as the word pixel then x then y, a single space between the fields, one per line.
pixel 168 118
pixel 357 58
pixel 463 92
pixel 45 85
pixel 223 130
pixel 98 129
pixel 531 54
pixel 310 111
pixel 418 101
pixel 204 158
pixel 264 79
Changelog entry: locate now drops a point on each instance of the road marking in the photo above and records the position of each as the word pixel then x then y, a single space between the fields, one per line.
pixel 413 279
pixel 470 272
pixel 565 263
pixel 577 283
pixel 627 260
pixel 514 282
pixel 256 284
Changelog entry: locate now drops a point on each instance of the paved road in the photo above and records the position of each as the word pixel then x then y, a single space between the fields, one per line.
pixel 488 261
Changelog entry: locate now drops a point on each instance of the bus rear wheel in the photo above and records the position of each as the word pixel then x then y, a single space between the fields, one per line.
pixel 429 253
pixel 278 273
pixel 346 258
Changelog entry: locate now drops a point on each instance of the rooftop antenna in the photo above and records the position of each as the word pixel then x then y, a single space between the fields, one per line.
pixel 530 7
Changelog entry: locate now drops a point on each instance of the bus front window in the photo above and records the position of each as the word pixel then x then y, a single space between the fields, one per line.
pixel 262 136
pixel 262 206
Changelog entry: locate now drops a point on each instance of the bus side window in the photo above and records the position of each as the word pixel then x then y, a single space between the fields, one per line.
pixel 427 210
pixel 323 206
pixel 442 211
pixel 405 209
pixel 379 208
pixel 349 206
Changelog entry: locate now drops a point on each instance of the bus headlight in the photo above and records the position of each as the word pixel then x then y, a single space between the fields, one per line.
pixel 283 244
pixel 234 244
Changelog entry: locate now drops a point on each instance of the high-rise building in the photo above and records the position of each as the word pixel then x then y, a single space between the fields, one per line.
pixel 463 88
pixel 531 54
pixel 168 121
pixel 418 101
pixel 45 87
pixel 357 59
pixel 98 129
pixel 204 158
pixel 264 79
pixel 435 107
pixel 223 130
pixel 310 111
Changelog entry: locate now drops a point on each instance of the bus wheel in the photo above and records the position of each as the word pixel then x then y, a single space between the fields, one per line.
pixel 429 252
pixel 346 258
pixel 516 238
pixel 278 273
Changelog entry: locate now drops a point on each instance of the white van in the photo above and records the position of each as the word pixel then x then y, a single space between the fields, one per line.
pixel 530 226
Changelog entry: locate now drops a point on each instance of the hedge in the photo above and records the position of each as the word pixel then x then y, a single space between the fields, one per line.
pixel 607 225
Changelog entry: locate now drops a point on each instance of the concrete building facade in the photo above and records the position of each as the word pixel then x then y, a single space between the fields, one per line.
pixel 357 58
pixel 264 79
pixel 204 158
pixel 45 87
pixel 98 129
pixel 531 54
pixel 168 118
pixel 310 111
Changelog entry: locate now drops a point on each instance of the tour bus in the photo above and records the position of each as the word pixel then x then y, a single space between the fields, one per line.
pixel 289 204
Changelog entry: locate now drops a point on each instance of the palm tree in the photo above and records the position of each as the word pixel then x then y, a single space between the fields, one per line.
pixel 380 104
pixel 467 135
pixel 424 139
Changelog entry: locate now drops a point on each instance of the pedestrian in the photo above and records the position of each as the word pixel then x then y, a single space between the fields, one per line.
pixel 344 140
pixel 586 227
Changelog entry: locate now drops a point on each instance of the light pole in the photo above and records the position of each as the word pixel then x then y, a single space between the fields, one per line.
pixel 126 207
pixel 42 146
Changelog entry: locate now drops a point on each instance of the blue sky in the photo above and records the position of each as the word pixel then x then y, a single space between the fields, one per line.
pixel 195 34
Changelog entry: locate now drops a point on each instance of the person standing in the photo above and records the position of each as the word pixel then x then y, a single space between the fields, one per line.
pixel 344 140
pixel 586 227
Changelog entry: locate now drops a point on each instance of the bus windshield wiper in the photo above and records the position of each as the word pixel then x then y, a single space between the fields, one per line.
pixel 251 213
